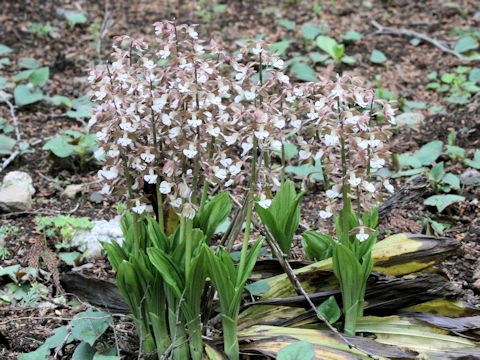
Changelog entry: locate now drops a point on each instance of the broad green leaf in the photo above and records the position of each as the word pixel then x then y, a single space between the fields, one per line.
pixel 301 350
pixel 352 36
pixel 40 354
pixel 475 162
pixel 28 63
pixel 69 257
pixel 474 76
pixel 441 202
pixel 429 152
pixel 311 31
pixel 456 151
pixel 61 100
pixel 220 8
pixel 448 78
pixel 89 325
pixel 84 352
pixel 105 357
pixel 348 60
pixel 437 173
pixel 303 72
pixel 327 44
pixel 60 146
pixel 407 160
pixel 3 82
pixel 24 95
pixel 465 44
pixel 287 24
pixel 452 180
pixel 6 144
pixel 330 310
pixel 4 49
pixel 258 287
pixel 318 57
pixel 214 213
pixel 280 47
pixel 75 18
pixel 39 77
pixel 61 336
pixel 377 57
pixel 317 246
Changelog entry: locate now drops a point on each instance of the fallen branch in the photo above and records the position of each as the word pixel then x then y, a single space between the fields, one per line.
pixel 383 30
pixel 18 136
pixel 301 291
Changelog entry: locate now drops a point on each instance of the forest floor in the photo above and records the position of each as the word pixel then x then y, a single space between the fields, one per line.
pixel 70 52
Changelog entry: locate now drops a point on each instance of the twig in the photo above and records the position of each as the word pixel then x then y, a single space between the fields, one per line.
pixel 42 212
pixel 18 136
pixel 301 291
pixel 406 32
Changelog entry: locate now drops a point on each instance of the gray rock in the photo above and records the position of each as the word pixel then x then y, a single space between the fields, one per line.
pixel 16 192
pixel 71 191
pixel 89 241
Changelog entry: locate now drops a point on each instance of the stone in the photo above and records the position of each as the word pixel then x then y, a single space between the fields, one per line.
pixel 16 192
pixel 71 191
pixel 88 241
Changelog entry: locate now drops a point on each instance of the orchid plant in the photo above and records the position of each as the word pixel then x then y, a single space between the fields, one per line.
pixel 181 119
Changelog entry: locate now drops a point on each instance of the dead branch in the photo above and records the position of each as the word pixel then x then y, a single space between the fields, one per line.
pixel 16 152
pixel 384 30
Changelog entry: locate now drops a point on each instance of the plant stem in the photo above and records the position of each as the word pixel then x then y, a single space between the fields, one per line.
pixel 230 339
pixel 203 199
pixel 282 175
pixel 248 220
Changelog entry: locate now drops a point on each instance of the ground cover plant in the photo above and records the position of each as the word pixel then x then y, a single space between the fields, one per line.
pixel 239 181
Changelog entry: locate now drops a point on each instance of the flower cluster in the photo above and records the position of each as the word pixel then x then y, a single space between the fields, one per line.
pixel 181 113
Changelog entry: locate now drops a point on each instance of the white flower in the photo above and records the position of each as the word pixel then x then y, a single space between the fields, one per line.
pixel 276 145
pixel 173 133
pixel 139 208
pixel 296 123
pixel 193 34
pixel 284 79
pixel 105 189
pixel 214 131
pixel 165 187
pixel 388 186
pixel 231 139
pixel 325 214
pixel 151 177
pixel 149 64
pixel 249 95
pixel 159 103
pixel 176 203
pixel 221 174
pixel 166 119
pixel 125 140
pixel 264 202
pixel 234 169
pixel 303 155
pixel 362 236
pixel 194 122
pixel 101 135
pixel 319 104
pixel 100 153
pixel 279 122
pixel 377 163
pixel 369 186
pixel 246 147
pixel 188 211
pixel 332 194
pixel 191 152
pixel 354 181
pixel 100 95
pixel 127 126
pixel 163 53
pixel 298 92
pixel 261 134
pixel 257 50
pixel 331 139
pixel 226 162
pixel 278 63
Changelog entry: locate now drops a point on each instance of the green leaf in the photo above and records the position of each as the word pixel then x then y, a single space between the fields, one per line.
pixel 258 288
pixel 475 162
pixel 214 213
pixel 415 41
pixel 452 180
pixel 311 31
pixel 330 310
pixel 3 82
pixel 456 151
pixel 317 246
pixel 437 173
pixel 318 57
pixel 75 18
pixel 24 96
pixel 4 49
pixel 280 47
pixel 429 152
pixel 348 60
pixel 28 63
pixel 448 78
pixel 40 76
pixel 377 57
pixel 40 354
pixel 60 146
pixel 69 258
pixel 89 325
pixel 352 36
pixel 84 352
pixel 220 8
pixel 105 357
pixel 303 72
pixel 6 144
pixel 474 76
pixel 61 336
pixel 327 44
pixel 301 350
pixel 466 44
pixel 443 201
pixel 61 100
pixel 287 24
